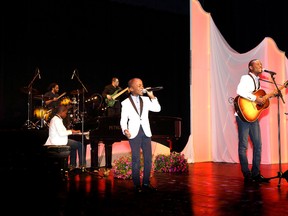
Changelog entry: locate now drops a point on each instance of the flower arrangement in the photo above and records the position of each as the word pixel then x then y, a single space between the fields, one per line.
pixel 175 162
pixel 123 167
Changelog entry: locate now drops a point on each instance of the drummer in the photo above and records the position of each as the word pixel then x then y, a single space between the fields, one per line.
pixel 52 99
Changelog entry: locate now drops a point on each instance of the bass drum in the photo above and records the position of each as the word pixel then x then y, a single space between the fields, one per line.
pixel 94 105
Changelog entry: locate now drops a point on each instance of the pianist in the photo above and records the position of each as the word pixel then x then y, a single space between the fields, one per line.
pixel 58 135
pixel 135 126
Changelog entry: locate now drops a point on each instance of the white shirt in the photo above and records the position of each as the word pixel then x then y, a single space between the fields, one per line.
pixel 136 100
pixel 58 134
pixel 246 87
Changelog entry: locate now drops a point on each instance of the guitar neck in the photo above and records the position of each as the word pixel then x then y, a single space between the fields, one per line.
pixel 118 94
pixel 272 94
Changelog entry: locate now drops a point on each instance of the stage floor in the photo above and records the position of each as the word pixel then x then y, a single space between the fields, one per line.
pixel 207 189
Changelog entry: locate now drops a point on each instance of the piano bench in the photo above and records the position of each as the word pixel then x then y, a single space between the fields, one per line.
pixel 56 157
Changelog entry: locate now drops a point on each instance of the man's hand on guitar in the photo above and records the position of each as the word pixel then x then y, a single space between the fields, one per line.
pixel 260 100
pixel 109 97
pixel 275 93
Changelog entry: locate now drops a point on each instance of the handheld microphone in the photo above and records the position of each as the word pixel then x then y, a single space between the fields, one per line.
pixel 152 89
pixel 267 71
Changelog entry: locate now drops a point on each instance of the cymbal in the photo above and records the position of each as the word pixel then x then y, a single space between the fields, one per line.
pixel 39 97
pixel 32 90
pixel 77 91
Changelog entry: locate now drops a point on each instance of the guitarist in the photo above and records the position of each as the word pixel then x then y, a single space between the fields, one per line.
pixel 113 110
pixel 248 84
pixel 108 92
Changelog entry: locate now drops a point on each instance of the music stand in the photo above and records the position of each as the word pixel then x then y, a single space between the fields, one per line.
pixel 82 120
pixel 280 175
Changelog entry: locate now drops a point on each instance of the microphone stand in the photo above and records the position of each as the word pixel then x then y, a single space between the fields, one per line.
pixel 82 122
pixel 279 173
pixel 29 124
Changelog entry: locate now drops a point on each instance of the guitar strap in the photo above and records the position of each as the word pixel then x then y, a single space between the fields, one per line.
pixel 255 87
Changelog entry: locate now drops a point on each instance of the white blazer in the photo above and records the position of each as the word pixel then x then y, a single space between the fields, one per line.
pixel 131 120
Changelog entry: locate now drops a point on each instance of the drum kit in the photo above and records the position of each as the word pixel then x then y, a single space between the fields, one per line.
pixel 42 115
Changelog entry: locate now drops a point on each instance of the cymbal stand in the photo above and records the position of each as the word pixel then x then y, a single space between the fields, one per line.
pixel 29 124
pixel 280 175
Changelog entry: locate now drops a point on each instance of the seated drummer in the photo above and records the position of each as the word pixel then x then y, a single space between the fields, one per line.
pixel 51 98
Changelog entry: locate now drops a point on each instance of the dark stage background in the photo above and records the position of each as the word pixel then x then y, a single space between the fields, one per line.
pixel 123 38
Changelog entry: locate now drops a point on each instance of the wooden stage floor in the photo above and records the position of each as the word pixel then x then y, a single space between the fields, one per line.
pixel 207 189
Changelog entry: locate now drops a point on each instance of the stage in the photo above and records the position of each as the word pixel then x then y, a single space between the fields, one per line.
pixel 207 189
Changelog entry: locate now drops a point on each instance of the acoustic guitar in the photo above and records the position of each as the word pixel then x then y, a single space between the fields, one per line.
pixel 250 111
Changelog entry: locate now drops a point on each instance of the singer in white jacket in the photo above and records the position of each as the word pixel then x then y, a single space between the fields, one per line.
pixel 135 126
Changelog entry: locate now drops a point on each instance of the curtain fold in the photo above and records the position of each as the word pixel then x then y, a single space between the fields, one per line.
pixel 216 69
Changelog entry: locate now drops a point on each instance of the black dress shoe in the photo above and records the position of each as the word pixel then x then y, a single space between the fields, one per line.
pixel 259 178
pixel 285 175
pixel 149 188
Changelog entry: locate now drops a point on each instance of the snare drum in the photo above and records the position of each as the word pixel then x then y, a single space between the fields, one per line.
pixel 42 113
pixel 65 101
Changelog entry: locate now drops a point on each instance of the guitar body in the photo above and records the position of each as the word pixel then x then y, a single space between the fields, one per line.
pixel 111 102
pixel 247 110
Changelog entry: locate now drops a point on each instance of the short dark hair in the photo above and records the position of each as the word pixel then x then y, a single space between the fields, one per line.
pixel 52 85
pixel 114 79
pixel 251 63
pixel 130 82
pixel 62 108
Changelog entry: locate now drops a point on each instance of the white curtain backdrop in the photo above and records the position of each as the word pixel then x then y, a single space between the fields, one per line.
pixel 215 72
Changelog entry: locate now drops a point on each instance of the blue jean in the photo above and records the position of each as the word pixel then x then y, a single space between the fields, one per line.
pixel 252 130
pixel 141 141
pixel 76 147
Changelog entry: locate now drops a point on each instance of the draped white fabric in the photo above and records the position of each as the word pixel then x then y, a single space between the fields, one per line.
pixel 216 69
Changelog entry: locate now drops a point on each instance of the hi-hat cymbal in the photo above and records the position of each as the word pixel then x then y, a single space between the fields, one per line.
pixel 40 97
pixel 77 91
pixel 26 90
